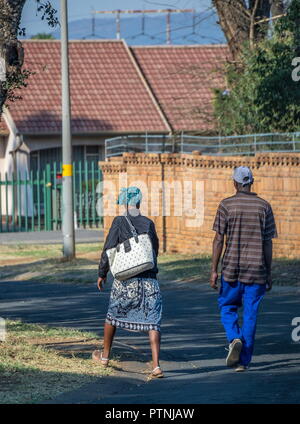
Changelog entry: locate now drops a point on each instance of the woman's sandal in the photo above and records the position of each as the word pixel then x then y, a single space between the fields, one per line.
pixel 159 374
pixel 97 356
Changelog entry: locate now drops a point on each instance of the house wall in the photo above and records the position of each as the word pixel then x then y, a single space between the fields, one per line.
pixel 2 152
pixel 3 143
pixel 48 149
pixel 7 167
pixel 208 180
pixel 42 142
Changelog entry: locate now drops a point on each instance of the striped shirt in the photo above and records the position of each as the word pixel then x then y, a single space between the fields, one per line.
pixel 248 221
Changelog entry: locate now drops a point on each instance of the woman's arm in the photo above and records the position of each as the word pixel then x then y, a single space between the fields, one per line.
pixel 112 240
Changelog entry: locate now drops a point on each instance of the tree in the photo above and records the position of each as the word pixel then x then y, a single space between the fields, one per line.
pixel 11 50
pixel 42 36
pixel 262 96
pixel 246 21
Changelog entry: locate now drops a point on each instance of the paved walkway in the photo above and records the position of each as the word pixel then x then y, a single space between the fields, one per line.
pixel 192 350
pixel 50 237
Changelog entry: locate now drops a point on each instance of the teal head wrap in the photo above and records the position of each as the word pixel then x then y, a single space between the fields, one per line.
pixel 129 196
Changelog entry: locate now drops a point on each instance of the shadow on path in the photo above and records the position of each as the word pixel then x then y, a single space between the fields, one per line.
pixel 192 346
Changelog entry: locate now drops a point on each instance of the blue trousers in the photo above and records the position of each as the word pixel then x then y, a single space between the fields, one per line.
pixel 231 297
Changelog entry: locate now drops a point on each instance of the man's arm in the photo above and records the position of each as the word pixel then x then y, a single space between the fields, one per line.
pixel 218 244
pixel 268 254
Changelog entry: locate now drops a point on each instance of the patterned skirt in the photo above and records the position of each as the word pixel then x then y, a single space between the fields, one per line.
pixel 135 305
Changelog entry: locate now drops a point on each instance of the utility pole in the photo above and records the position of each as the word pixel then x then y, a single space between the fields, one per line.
pixel 165 11
pixel 67 171
pixel 93 24
pixel 118 22
pixel 168 28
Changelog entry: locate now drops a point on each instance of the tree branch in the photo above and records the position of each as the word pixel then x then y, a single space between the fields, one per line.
pixel 273 18
pixel 252 23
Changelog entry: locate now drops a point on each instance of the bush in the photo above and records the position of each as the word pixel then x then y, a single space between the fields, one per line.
pixel 262 96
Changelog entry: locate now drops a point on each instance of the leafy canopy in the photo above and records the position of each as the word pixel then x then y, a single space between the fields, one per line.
pixel 261 95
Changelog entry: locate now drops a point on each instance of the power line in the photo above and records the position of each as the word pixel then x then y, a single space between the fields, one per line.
pixel 168 13
pixel 196 22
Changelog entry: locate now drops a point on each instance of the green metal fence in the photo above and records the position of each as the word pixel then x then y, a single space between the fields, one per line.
pixel 247 144
pixel 33 202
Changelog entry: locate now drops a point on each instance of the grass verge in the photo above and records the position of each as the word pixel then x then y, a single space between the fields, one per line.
pixel 44 264
pixel 285 272
pixel 39 362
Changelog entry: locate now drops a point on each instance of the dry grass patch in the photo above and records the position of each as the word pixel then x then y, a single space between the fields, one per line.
pixel 44 263
pixel 39 362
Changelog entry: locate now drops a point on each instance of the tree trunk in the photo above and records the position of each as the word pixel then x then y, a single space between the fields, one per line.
pixel 237 19
pixel 234 19
pixel 10 48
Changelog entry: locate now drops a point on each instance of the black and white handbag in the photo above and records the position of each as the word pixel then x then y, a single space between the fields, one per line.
pixel 131 257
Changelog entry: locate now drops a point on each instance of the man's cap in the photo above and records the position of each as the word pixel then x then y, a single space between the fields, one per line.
pixel 243 175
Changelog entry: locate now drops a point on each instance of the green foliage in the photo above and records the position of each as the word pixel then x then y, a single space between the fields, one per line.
pixel 48 13
pixel 262 95
pixel 15 80
pixel 43 36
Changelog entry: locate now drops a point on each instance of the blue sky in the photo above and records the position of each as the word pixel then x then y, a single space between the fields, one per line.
pixel 79 9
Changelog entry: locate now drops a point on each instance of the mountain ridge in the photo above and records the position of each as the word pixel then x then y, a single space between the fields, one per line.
pixel 185 29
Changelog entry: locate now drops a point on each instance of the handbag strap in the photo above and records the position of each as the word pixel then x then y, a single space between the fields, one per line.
pixel 132 227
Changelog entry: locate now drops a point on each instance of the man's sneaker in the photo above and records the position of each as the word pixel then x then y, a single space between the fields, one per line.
pixel 233 356
pixel 241 368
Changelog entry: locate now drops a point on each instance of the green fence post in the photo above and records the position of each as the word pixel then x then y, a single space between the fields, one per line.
pixel 48 198
pixel 74 195
pixel 44 199
pixel 32 199
pixel 54 199
pixel 6 202
pixel 294 146
pixel 19 200
pixel 60 206
pixel 26 200
pixel 80 194
pixel 86 194
pixel 100 218
pixel 38 187
pixel 0 203
pixel 93 195
pixel 13 199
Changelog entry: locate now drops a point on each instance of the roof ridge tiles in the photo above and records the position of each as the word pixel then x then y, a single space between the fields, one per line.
pixel 178 46
pixel 148 87
pixel 112 40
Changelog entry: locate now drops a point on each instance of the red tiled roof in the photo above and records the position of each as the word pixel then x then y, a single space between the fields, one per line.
pixel 107 92
pixel 182 79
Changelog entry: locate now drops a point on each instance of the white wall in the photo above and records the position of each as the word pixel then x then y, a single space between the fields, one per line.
pixel 22 168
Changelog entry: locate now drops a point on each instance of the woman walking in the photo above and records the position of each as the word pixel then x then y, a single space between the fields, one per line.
pixel 135 304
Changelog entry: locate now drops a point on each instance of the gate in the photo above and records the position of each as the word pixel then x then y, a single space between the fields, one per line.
pixel 33 202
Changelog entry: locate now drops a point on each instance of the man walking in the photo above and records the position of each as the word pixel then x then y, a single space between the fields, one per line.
pixel 248 223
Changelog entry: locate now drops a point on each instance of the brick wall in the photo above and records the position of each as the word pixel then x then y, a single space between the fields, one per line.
pixel 277 179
